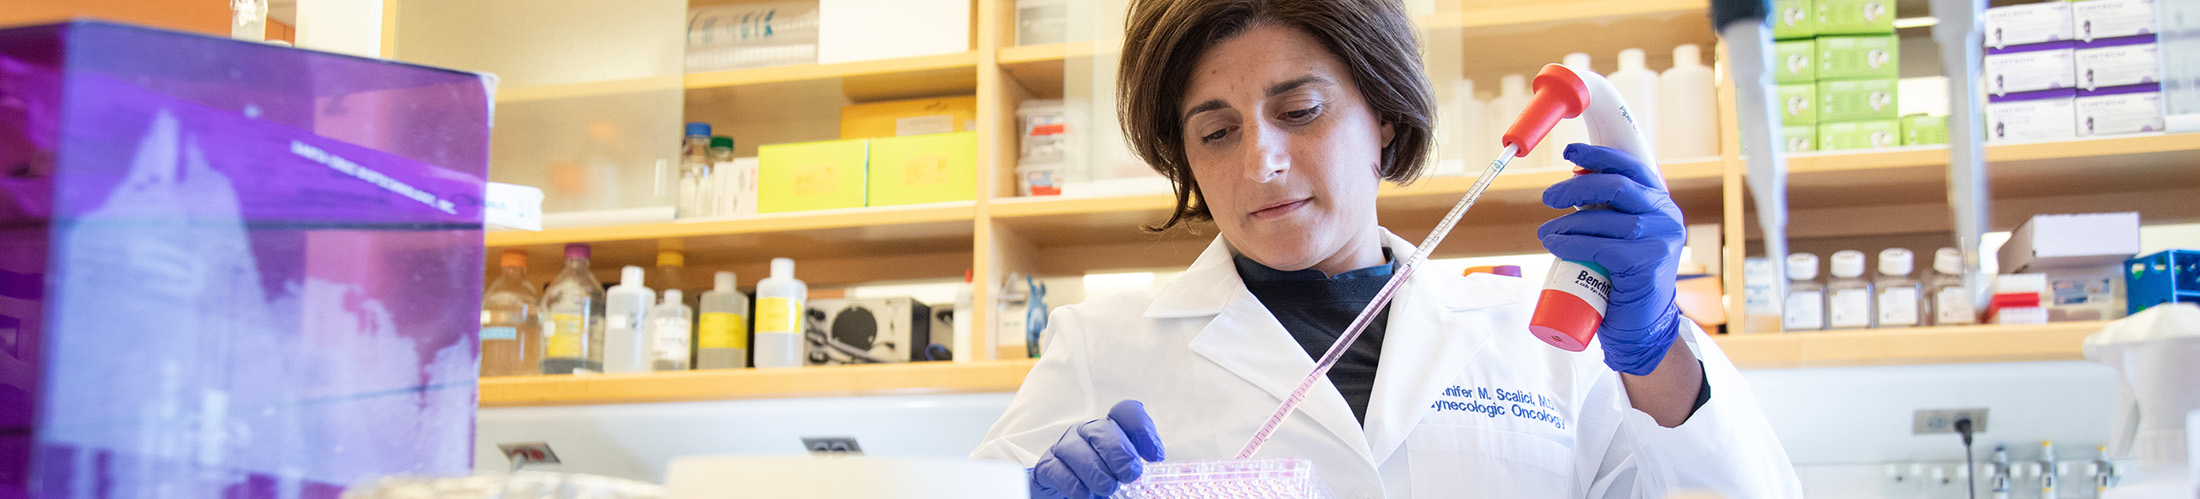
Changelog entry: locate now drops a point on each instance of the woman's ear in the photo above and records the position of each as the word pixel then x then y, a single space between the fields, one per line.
pixel 1389 132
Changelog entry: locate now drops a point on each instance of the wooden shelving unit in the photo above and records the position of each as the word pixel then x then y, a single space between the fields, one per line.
pixel 1931 345
pixel 1877 192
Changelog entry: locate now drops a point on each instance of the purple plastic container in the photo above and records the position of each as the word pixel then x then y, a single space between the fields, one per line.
pixel 230 269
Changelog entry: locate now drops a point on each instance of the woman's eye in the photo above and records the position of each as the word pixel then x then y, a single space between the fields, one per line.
pixel 1302 115
pixel 1217 135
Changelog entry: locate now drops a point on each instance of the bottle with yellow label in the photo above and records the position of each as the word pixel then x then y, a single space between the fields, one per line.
pixel 572 317
pixel 722 335
pixel 780 300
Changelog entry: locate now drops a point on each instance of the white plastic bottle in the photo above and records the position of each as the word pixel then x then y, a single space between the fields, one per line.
pixel 722 333
pixel 1688 125
pixel 1475 138
pixel 1512 98
pixel 1898 292
pixel 1805 308
pixel 780 302
pixel 1951 301
pixel 1848 295
pixel 1568 132
pixel 1638 85
pixel 669 333
pixel 965 348
pixel 626 310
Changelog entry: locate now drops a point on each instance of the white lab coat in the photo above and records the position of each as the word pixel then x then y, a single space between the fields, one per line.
pixel 1466 402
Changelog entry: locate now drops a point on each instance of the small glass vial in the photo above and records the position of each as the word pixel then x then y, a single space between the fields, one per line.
pixel 1805 309
pixel 1951 302
pixel 1899 299
pixel 1848 295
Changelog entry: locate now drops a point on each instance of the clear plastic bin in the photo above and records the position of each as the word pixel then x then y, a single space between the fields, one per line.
pixel 520 485
pixel 231 269
pixel 1285 478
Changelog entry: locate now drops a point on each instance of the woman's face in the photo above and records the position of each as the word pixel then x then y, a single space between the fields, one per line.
pixel 1286 152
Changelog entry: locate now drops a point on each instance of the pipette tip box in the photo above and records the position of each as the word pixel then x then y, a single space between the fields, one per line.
pixel 1283 478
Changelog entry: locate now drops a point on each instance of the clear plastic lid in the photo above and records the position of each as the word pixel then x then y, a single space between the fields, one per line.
pixel 1287 478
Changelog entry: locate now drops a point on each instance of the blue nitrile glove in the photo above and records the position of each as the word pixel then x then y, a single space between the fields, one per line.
pixel 1638 238
pixel 1095 456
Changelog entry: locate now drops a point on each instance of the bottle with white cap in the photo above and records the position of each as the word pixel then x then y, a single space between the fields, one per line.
pixel 626 311
pixel 722 332
pixel 1899 296
pixel 1512 99
pixel 1476 141
pixel 780 302
pixel 670 327
pixel 1638 87
pixel 1951 302
pixel 1805 309
pixel 1688 123
pixel 1848 295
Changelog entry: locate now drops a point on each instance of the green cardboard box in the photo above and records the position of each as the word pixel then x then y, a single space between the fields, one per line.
pixel 1800 138
pixel 1919 129
pixel 1848 135
pixel 1797 61
pixel 1793 19
pixel 1799 104
pixel 1870 56
pixel 1854 17
pixel 812 175
pixel 1857 100
pixel 924 169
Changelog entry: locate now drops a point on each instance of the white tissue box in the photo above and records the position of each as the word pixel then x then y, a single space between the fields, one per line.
pixel 2119 111
pixel 2097 19
pixel 2042 66
pixel 2112 63
pixel 2032 116
pixel 2028 23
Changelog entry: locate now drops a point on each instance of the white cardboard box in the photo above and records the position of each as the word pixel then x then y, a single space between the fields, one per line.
pixel 2034 118
pixel 2112 64
pixel 2028 23
pixel 2043 66
pixel 2097 19
pixel 2119 111
pixel 2071 241
pixel 864 30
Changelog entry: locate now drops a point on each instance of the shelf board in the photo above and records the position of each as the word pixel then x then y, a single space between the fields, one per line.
pixel 588 89
pixel 1930 345
pixel 918 66
pixel 1512 206
pixel 1040 68
pixel 732 384
pixel 1919 174
pixel 1926 345
pixel 913 241
pixel 1501 14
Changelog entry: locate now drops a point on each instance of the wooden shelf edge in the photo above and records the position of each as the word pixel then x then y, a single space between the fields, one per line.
pixel 1023 54
pixel 776 222
pixel 1927 345
pixel 1934 156
pixel 746 384
pixel 1536 13
pixel 778 74
pixel 588 89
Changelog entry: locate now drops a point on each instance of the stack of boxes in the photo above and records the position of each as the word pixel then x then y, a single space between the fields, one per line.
pixel 2063 70
pixel 1838 63
pixel 891 153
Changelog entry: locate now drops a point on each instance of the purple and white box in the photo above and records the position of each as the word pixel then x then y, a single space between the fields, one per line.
pixel 2119 110
pixel 2031 116
pixel 2099 19
pixel 231 269
pixel 2026 68
pixel 2115 62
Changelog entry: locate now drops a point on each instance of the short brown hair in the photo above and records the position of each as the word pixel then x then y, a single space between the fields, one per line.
pixel 1163 39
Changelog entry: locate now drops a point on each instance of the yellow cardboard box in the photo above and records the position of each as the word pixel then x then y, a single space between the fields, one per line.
pixel 924 169
pixel 909 117
pixel 811 176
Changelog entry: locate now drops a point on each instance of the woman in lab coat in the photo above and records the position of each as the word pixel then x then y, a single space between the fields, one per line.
pixel 1277 119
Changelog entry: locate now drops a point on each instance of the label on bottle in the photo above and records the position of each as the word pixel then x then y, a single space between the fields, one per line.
pixel 567 334
pixel 779 315
pixel 1849 308
pixel 1898 306
pixel 670 335
pixel 723 330
pixel 499 333
pixel 1952 305
pixel 1805 311
pixel 1586 281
